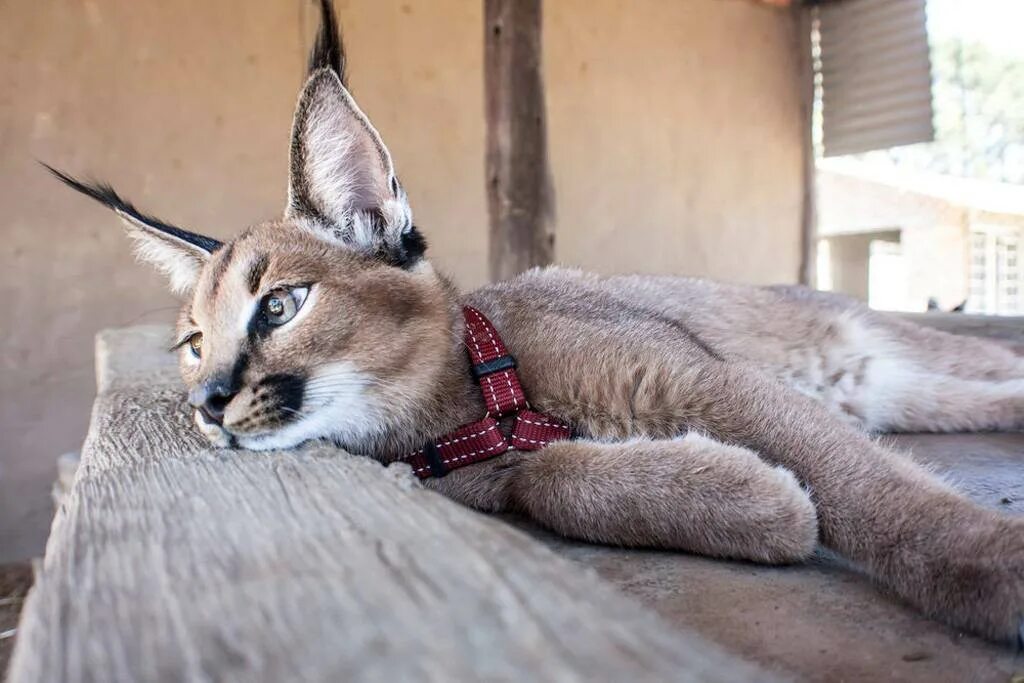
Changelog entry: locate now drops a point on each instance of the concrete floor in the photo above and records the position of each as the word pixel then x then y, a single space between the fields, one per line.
pixel 820 621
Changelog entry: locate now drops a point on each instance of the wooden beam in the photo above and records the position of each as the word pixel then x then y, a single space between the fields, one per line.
pixel 803 19
pixel 519 195
pixel 172 561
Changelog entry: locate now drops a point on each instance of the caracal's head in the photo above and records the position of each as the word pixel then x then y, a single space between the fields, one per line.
pixel 320 324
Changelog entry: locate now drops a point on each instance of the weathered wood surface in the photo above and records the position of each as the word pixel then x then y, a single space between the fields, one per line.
pixel 519 194
pixel 171 561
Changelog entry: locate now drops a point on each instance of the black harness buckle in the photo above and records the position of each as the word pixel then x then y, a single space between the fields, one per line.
pixel 492 366
pixel 433 458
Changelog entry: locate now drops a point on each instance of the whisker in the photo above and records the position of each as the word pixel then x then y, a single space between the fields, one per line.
pixel 300 413
pixel 334 392
pixel 313 386
pixel 347 380
pixel 333 385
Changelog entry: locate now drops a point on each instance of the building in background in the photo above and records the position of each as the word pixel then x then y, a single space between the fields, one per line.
pixel 901 239
pixel 907 222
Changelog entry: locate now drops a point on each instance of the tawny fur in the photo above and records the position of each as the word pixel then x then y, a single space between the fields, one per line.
pixel 635 363
pixel 719 419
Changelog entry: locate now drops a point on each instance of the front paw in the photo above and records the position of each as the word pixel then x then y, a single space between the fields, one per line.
pixel 977 582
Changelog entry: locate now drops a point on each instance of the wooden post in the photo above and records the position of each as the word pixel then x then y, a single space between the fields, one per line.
pixel 519 195
pixel 803 19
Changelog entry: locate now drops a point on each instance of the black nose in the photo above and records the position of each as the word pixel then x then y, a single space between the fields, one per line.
pixel 211 398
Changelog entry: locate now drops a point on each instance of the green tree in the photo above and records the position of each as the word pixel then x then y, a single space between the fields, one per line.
pixel 978 98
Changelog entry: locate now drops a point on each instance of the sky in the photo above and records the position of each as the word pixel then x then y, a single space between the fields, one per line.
pixel 997 23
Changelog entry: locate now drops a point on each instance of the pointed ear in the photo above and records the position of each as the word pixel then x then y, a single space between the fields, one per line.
pixel 342 177
pixel 342 182
pixel 178 253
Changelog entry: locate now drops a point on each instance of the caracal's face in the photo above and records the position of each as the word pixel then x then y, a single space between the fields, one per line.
pixel 289 337
pixel 326 323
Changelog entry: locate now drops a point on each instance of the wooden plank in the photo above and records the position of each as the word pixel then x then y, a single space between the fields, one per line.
pixel 171 561
pixel 519 195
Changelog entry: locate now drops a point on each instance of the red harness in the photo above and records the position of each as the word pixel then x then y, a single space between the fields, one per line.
pixel 495 370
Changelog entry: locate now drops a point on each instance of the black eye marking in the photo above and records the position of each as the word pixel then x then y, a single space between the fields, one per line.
pixel 256 272
pixel 221 268
pixel 236 379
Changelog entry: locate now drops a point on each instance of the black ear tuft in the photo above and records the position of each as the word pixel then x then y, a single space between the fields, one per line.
pixel 328 50
pixel 105 195
pixel 414 245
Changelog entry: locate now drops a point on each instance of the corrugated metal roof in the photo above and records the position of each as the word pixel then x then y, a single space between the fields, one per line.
pixel 876 75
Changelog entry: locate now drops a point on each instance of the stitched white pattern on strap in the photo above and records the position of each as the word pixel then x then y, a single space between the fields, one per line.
pixel 511 390
pixel 466 438
pixel 472 336
pixel 519 438
pixel 490 388
pixel 487 329
pixel 507 374
pixel 461 439
pixel 463 457
pixel 542 424
pixel 476 345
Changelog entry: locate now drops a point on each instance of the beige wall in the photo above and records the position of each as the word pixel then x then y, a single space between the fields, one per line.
pixel 935 259
pixel 848 204
pixel 850 257
pixel 675 132
pixel 937 262
pixel 674 141
pixel 185 106
pixel 933 232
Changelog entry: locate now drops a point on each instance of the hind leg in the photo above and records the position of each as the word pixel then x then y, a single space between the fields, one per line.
pixel 958 355
pixel 923 380
pixel 691 494
pixel 908 399
pixel 915 535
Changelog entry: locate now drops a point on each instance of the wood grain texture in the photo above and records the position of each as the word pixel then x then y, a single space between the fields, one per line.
pixel 171 561
pixel 519 190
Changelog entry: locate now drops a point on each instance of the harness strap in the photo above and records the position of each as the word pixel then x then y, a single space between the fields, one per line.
pixel 466 445
pixel 533 431
pixel 494 368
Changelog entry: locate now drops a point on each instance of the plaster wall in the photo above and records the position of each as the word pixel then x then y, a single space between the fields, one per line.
pixel 674 132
